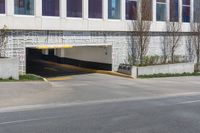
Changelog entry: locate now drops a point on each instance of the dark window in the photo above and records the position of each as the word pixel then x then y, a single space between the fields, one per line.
pixel 50 7
pixel 74 8
pixel 95 8
pixel 2 6
pixel 186 11
pixel 131 10
pixel 174 11
pixel 24 7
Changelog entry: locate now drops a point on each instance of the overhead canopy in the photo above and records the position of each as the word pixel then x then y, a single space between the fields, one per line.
pixel 59 46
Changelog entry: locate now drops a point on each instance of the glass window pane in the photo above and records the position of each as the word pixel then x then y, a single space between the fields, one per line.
pixel 74 8
pixel 174 11
pixel 186 14
pixel 50 7
pixel 186 2
pixel 95 8
pixel 2 6
pixel 24 7
pixel 114 9
pixel 161 12
pixel 131 10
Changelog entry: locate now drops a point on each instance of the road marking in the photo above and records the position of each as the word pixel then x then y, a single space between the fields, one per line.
pixel 29 120
pixel 187 102
pixel 51 69
pixel 59 78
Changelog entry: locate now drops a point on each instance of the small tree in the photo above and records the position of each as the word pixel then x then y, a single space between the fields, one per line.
pixel 165 48
pixel 173 27
pixel 3 41
pixel 141 30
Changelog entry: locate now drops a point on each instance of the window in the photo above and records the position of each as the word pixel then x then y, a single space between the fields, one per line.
pixel 186 11
pixel 196 11
pixel 131 9
pixel 74 8
pixel 24 7
pixel 50 7
pixel 161 10
pixel 114 9
pixel 2 6
pixel 174 11
pixel 146 10
pixel 95 8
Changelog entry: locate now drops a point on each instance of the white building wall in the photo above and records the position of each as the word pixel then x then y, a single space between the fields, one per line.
pixel 92 54
pixel 39 22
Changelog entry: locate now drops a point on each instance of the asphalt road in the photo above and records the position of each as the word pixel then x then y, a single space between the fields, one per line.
pixel 97 103
pixel 164 115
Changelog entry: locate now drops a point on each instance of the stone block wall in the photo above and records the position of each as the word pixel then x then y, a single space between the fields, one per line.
pixel 19 40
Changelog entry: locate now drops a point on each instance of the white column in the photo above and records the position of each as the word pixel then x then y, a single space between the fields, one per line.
pixel 62 52
pixel 192 11
pixel 154 10
pixel 123 9
pixel 63 8
pixel 168 10
pixel 105 9
pixel 180 10
pixel 85 9
pixel 9 7
pixel 38 8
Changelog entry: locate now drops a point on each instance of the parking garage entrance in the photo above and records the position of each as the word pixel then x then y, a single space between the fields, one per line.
pixel 52 61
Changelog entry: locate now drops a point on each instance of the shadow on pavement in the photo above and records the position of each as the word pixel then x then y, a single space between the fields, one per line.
pixel 48 70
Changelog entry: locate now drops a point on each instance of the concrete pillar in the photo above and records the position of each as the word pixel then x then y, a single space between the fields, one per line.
pixel 192 11
pixel 154 10
pixel 168 10
pixel 105 9
pixel 9 7
pixel 38 8
pixel 63 8
pixel 85 9
pixel 180 10
pixel 62 52
pixel 123 9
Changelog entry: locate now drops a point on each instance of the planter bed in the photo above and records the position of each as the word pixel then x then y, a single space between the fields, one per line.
pixel 9 68
pixel 178 68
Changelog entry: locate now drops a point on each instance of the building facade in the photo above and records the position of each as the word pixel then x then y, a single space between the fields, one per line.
pixel 98 30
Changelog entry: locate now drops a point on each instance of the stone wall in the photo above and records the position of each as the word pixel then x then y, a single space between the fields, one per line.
pixel 9 68
pixel 121 43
